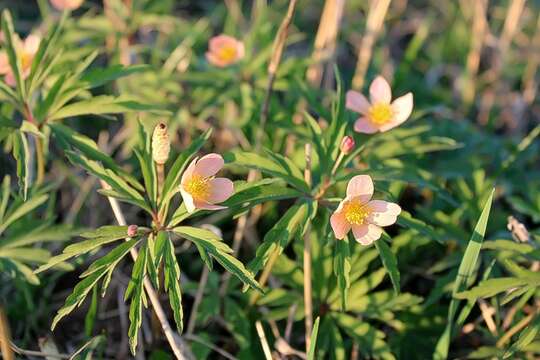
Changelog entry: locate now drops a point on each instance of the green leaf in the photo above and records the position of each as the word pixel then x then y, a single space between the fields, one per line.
pixel 525 338
pixel 91 315
pixel 492 287
pixel 283 168
pixel 103 104
pixel 10 47
pixel 101 76
pixel 313 344
pixel 136 287
pixel 342 269
pixel 389 261
pixel 90 149
pixel 219 251
pixel 405 219
pixel 465 271
pixel 172 283
pixel 21 153
pixel 279 236
pixel 21 210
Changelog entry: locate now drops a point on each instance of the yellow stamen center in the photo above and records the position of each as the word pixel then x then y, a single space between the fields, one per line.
pixel 198 187
pixel 356 212
pixel 26 60
pixel 380 113
pixel 227 53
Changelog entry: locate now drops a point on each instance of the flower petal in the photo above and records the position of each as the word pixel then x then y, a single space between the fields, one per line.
pixel 240 50
pixel 31 44
pixel 220 190
pixel 188 201
pixel 209 165
pixel 402 107
pixel 217 42
pixel 340 225
pixel 189 171
pixel 383 213
pixel 363 125
pixel 214 60
pixel 355 101
pixel 366 234
pixel 4 63
pixel 207 206
pixel 379 91
pixel 360 186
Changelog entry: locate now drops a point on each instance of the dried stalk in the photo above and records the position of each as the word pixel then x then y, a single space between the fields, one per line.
pixel 325 40
pixel 180 350
pixel 5 337
pixel 264 342
pixel 479 28
pixel 529 85
pixel 375 19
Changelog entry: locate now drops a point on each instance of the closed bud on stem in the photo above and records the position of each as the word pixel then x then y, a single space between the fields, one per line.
pixel 132 230
pixel 347 145
pixel 161 144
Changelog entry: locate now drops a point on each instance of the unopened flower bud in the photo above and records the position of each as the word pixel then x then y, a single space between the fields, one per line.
pixel 347 144
pixel 160 144
pixel 132 230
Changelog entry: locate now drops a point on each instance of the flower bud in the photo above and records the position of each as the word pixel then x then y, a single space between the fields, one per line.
pixel 347 145
pixel 132 230
pixel 160 144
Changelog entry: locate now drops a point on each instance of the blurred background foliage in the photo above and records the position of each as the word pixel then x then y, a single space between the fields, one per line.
pixel 473 69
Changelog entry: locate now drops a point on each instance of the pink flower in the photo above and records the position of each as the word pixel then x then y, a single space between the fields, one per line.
pixel 200 189
pixel 380 114
pixel 361 214
pixel 66 4
pixel 224 50
pixel 26 50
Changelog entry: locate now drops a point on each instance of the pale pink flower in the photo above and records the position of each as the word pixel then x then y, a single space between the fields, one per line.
pixel 224 50
pixel 26 50
pixel 199 187
pixel 379 113
pixel 347 145
pixel 357 212
pixel 66 4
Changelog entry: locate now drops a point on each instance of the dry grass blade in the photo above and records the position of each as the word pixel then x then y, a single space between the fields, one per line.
pixel 375 19
pixel 529 84
pixel 308 301
pixel 5 337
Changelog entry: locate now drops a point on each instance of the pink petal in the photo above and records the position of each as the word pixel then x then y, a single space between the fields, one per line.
pixel 379 91
pixel 340 225
pixel 207 206
pixel 10 79
pixel 383 213
pixel 214 60
pixel 240 50
pixel 355 101
pixel 366 234
pixel 363 125
pixel 220 190
pixel 31 44
pixel 209 165
pixel 188 173
pixel 402 107
pixel 219 41
pixel 188 201
pixel 4 63
pixel 360 186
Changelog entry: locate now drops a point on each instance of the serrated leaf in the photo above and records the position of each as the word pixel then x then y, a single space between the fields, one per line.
pixel 172 283
pixel 136 289
pixel 389 261
pixel 342 269
pixel 21 153
pixel 219 251
pixel 21 210
pixel 313 344
pixel 10 47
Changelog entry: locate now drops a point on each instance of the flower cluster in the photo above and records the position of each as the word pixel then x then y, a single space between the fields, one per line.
pixel 357 212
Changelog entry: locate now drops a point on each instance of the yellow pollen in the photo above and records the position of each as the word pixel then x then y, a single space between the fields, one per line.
pixel 380 113
pixel 356 212
pixel 198 187
pixel 26 60
pixel 227 53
